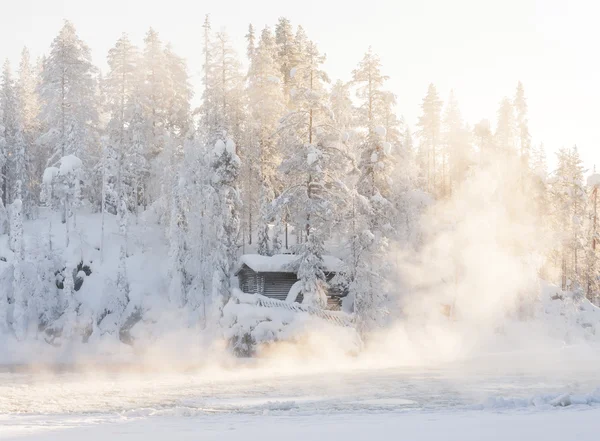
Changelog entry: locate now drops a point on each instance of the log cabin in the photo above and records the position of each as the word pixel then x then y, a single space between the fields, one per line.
pixel 275 277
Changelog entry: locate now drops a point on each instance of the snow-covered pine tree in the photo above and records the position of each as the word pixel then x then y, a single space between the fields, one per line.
pixel 137 168
pixel 12 133
pixel 312 169
pixel 592 246
pixel 457 154
pixel 208 107
pixel 375 152
pixel 155 81
pixel 568 204
pixel 3 154
pixel 287 54
pixel 154 102
pixel 344 113
pixel 523 136
pixel 266 103
pixel 29 109
pixel 506 135
pixel 119 86
pixel 68 99
pixel 429 133
pixel 250 42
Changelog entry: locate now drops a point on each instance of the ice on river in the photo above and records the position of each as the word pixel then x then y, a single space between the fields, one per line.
pixel 460 401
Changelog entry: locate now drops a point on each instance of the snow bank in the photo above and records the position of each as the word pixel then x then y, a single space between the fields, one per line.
pixel 540 401
pixel 252 322
pixel 69 164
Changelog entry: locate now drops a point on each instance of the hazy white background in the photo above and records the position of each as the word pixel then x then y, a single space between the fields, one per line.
pixel 481 48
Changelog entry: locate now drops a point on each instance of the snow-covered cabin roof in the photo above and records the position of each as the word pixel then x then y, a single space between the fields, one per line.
pixel 282 263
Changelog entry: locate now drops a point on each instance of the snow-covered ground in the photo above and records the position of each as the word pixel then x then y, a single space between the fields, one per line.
pixel 484 376
pixel 495 397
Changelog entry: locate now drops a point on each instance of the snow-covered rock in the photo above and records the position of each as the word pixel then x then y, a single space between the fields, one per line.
pixel 219 147
pixel 381 131
pixel 230 147
pixel 274 79
pixel 69 164
pixel 387 148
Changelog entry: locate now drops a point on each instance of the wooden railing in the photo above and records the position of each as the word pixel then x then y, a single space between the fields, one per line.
pixel 337 317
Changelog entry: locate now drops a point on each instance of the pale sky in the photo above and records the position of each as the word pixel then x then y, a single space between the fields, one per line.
pixel 480 48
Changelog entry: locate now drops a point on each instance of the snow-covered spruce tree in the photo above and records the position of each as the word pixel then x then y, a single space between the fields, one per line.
pixel 66 325
pixel 429 133
pixel 68 99
pixel 20 284
pixel 225 167
pixel 178 252
pixel 179 94
pixel 266 105
pixel 197 196
pixel 62 189
pixel 211 170
pixel 344 113
pixel 312 171
pixel 372 207
pixel 369 242
pixel 375 152
pixel 111 319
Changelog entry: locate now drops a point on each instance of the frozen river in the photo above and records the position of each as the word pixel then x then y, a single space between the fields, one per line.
pixel 251 402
